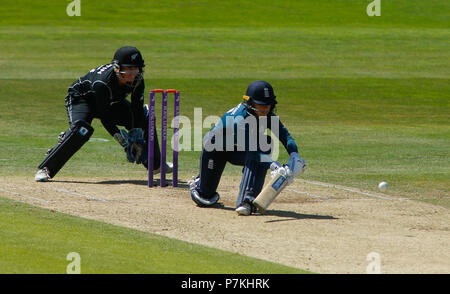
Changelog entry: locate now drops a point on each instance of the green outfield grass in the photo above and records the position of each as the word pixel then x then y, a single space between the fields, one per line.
pixel 35 240
pixel 366 98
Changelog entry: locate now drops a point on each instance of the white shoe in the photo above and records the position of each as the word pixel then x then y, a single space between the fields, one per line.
pixel 169 168
pixel 42 175
pixel 194 182
pixel 244 209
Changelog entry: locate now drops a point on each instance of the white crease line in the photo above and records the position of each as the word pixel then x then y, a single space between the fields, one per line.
pixel 308 194
pixel 80 195
pixel 25 196
pixel 327 198
pixel 352 190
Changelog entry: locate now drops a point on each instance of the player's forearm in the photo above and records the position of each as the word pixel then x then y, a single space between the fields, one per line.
pixel 137 106
pixel 110 127
pixel 287 140
pixel 137 109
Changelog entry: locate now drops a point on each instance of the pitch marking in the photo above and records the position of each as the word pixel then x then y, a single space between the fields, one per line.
pixel 308 194
pixel 80 195
pixel 25 196
pixel 352 190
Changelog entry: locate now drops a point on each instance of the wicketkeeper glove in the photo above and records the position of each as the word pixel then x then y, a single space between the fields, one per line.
pixel 122 138
pixel 136 151
pixel 134 144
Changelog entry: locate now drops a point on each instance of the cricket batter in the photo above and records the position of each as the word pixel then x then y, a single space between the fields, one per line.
pixel 101 94
pixel 238 138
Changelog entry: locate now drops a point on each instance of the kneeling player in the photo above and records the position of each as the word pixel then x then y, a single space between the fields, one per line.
pixel 238 138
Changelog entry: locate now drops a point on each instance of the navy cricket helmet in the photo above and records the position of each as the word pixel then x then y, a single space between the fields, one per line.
pixel 260 92
pixel 131 57
pixel 128 56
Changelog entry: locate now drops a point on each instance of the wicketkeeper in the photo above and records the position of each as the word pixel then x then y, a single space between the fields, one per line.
pixel 240 139
pixel 101 94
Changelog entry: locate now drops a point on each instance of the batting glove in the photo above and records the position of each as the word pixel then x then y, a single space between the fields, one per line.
pixel 296 164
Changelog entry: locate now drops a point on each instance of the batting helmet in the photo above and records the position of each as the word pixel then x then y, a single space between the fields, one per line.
pixel 261 92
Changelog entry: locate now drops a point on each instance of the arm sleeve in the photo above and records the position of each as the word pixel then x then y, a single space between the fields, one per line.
pixel 102 102
pixel 137 106
pixel 110 127
pixel 286 138
pixel 102 97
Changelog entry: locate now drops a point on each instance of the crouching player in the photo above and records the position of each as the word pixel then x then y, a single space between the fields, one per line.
pixel 239 138
pixel 101 93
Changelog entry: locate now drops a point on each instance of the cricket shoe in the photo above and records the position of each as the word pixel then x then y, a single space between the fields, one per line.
pixel 197 198
pixel 246 208
pixel 194 182
pixel 42 175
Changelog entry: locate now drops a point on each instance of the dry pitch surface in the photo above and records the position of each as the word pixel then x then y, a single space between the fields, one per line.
pixel 313 226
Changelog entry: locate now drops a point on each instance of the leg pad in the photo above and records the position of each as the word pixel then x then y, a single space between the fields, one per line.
pixel 75 137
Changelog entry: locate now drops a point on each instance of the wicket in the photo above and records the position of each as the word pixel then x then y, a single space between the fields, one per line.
pixel 151 136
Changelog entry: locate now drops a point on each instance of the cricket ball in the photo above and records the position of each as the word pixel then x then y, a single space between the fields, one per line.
pixel 383 186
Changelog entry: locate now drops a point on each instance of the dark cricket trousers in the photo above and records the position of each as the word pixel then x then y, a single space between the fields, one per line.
pixel 81 109
pixel 212 164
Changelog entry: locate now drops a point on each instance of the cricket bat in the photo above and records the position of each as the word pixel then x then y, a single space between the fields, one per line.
pixel 273 188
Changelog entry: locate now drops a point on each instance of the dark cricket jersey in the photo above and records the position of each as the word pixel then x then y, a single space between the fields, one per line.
pixel 100 89
pixel 244 127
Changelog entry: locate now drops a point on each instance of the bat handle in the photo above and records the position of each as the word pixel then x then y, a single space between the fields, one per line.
pixel 275 165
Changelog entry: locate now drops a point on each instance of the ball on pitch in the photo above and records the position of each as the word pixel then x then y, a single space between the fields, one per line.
pixel 383 186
